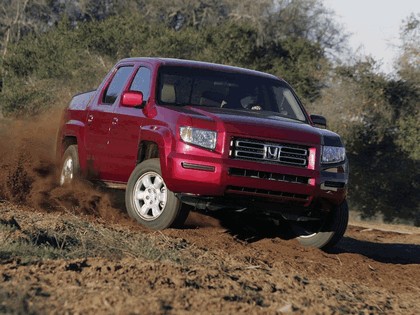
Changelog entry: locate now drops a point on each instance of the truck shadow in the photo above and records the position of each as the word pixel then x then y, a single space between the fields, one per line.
pixel 388 253
pixel 250 230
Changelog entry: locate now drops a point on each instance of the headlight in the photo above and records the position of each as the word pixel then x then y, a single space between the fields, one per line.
pixel 201 137
pixel 333 154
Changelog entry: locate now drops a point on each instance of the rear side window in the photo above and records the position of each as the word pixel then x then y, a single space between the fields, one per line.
pixel 141 82
pixel 116 85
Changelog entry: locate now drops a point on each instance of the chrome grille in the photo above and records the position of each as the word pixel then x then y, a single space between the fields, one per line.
pixel 255 150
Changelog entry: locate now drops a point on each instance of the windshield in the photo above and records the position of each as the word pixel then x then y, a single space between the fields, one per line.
pixel 237 91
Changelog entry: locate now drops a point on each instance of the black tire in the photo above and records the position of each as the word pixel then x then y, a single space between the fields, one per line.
pixel 70 167
pixel 148 200
pixel 331 231
pixel 182 216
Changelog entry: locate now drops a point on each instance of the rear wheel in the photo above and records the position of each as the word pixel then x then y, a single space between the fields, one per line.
pixel 70 167
pixel 326 232
pixel 149 201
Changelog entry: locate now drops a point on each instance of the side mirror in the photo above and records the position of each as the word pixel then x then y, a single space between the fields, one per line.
pixel 132 99
pixel 319 120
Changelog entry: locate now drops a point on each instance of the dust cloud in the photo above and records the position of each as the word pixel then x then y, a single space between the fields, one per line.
pixel 29 176
pixel 29 172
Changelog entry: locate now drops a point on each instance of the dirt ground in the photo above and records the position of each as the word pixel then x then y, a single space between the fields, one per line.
pixel 227 268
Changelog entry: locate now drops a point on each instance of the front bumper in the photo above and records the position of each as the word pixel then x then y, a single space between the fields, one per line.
pixel 205 176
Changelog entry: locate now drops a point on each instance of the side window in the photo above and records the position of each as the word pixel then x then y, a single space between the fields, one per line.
pixel 116 86
pixel 141 82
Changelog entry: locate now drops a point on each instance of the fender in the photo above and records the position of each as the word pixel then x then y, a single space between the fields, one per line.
pixel 163 137
pixel 77 129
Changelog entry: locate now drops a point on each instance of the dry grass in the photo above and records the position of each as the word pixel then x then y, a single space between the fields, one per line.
pixel 64 236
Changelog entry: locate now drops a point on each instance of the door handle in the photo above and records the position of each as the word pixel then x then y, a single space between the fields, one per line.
pixel 90 119
pixel 114 121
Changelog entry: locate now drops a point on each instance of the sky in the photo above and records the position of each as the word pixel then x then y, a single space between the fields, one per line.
pixel 374 25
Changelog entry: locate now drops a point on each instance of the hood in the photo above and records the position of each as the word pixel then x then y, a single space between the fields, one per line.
pixel 264 125
pixel 255 124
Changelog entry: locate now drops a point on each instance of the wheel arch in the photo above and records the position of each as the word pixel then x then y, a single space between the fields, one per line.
pixel 72 133
pixel 156 142
pixel 147 150
pixel 68 141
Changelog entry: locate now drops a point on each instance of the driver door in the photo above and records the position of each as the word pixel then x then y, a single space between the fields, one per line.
pixel 99 121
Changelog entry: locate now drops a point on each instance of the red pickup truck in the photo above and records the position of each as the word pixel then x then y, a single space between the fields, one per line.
pixel 178 133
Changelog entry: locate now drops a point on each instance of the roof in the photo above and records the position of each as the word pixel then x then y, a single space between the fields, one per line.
pixel 157 61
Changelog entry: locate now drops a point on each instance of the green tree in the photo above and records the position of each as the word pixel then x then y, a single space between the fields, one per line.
pixel 378 117
pixel 408 67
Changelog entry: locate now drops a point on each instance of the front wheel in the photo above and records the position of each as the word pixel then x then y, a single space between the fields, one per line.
pixel 149 201
pixel 329 231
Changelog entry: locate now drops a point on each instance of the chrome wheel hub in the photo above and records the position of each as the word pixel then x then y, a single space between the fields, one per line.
pixel 67 171
pixel 150 196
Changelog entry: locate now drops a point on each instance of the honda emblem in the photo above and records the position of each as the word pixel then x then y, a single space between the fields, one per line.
pixel 272 152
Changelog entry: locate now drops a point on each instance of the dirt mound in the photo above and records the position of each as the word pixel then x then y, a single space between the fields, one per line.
pixel 110 268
